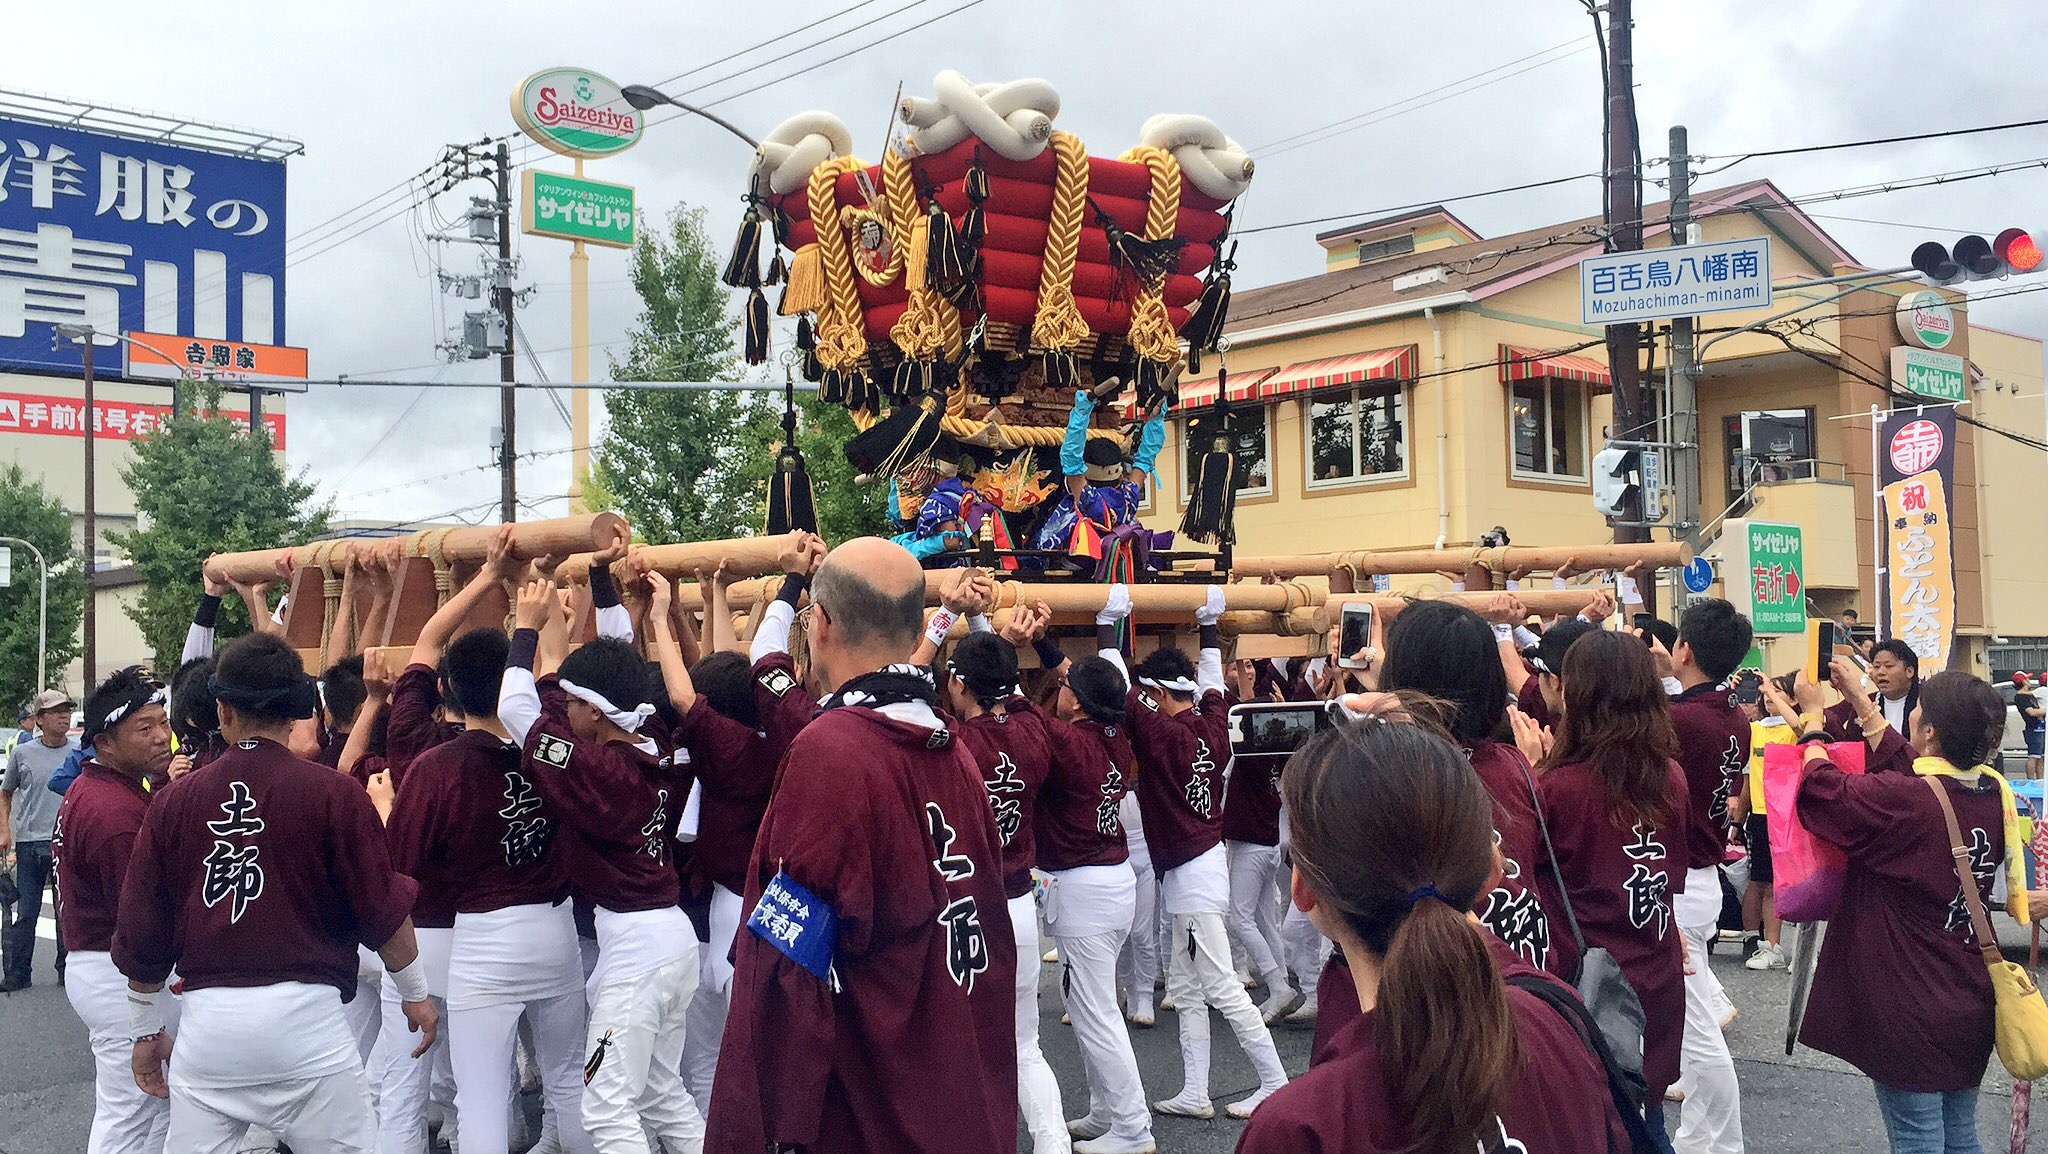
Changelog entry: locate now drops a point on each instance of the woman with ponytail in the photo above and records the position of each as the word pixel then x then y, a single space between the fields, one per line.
pixel 1391 835
pixel 1615 798
pixel 1901 991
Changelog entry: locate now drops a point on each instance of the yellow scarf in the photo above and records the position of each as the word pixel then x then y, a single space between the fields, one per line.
pixel 2015 863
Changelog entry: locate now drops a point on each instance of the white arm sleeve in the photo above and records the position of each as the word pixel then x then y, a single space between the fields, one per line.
pixel 518 704
pixel 198 642
pixel 615 621
pixel 1209 670
pixel 772 635
pixel 1116 657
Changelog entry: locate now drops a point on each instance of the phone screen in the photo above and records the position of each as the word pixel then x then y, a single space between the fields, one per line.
pixel 1354 634
pixel 1274 729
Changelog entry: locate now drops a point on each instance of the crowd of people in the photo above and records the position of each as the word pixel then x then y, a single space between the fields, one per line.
pixel 744 894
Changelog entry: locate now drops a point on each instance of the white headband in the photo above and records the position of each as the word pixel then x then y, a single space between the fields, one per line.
pixel 1177 685
pixel 114 715
pixel 630 722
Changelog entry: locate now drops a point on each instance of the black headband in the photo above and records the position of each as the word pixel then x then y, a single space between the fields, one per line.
pixel 296 699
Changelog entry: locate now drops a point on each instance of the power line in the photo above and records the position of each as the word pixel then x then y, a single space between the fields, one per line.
pixel 730 56
pixel 1379 212
pixel 1341 127
pixel 1943 134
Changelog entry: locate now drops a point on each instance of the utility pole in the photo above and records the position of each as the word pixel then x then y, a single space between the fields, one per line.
pixel 1624 221
pixel 83 334
pixel 1683 472
pixel 508 412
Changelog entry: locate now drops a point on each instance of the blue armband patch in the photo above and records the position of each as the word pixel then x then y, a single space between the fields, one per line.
pixel 797 922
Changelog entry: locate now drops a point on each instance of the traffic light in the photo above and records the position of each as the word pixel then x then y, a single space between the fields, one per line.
pixel 1617 478
pixel 1974 258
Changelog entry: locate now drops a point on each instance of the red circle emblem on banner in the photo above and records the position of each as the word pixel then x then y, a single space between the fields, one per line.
pixel 1915 446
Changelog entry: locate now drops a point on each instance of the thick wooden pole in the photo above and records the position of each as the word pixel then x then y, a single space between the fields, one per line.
pixel 532 540
pixel 1539 559
pixel 751 557
pixel 1544 602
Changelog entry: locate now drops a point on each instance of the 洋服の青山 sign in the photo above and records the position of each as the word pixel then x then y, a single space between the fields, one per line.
pixel 112 420
pixel 576 112
pixel 1915 469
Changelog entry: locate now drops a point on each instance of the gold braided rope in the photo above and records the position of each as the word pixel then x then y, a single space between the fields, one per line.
pixel 841 341
pixel 428 545
pixel 1058 324
pixel 930 323
pixel 1152 332
pixel 1007 436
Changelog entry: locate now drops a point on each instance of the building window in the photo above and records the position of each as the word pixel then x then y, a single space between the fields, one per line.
pixel 1357 434
pixel 1381 249
pixel 1249 442
pixel 1547 426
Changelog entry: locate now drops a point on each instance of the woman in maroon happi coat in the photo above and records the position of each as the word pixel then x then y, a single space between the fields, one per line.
pixel 1615 799
pixel 1391 835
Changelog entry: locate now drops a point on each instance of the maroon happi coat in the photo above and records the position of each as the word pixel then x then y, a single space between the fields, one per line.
pixel 1251 801
pixel 621 801
pixel 1014 756
pixel 1621 882
pixel 1713 749
pixel 472 818
pixel 410 726
pixel 1180 776
pixel 1558 1105
pixel 1078 820
pixel 913 1046
pixel 1894 754
pixel 1901 991
pixel 736 766
pixel 1513 910
pixel 96 829
pixel 258 869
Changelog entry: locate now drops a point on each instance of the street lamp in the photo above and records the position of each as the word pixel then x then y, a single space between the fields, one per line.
pixel 42 614
pixel 84 335
pixel 643 98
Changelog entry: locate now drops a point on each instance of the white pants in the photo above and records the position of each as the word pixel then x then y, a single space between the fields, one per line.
pixel 1116 1094
pixel 1710 1122
pixel 1255 905
pixel 1307 950
pixel 364 1012
pixel 404 1084
pixel 480 1049
pixel 124 1119
pixel 1138 966
pixel 1200 979
pixel 714 995
pixel 640 1022
pixel 1038 1092
pixel 325 1115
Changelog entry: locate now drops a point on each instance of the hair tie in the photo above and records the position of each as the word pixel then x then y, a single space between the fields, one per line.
pixel 1417 895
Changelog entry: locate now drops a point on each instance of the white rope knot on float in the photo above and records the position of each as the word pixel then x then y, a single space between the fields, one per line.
pixel 797 146
pixel 1211 161
pixel 1015 118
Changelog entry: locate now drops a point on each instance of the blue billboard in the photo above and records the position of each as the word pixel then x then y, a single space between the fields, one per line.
pixel 132 235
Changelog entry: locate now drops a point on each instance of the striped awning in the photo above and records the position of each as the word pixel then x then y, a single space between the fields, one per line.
pixel 1195 394
pixel 1397 364
pixel 1520 364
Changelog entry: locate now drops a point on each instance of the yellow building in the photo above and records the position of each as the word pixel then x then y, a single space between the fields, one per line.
pixel 1431 384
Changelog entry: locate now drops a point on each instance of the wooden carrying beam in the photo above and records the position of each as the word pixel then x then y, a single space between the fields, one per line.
pixel 751 557
pixel 531 540
pixel 1507 559
pixel 1546 602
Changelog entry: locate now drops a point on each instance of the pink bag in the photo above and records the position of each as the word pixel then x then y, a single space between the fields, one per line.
pixel 1808 871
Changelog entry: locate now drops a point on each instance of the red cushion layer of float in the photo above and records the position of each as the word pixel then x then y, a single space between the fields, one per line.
pixel 1114 177
pixel 1018 271
pixel 1026 237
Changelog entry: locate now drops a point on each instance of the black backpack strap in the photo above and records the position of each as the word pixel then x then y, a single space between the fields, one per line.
pixel 1574 1013
pixel 1550 852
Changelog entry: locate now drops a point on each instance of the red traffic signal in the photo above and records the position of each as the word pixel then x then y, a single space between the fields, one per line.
pixel 1974 258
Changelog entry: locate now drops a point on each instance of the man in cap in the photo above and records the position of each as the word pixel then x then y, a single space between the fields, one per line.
pixel 28 817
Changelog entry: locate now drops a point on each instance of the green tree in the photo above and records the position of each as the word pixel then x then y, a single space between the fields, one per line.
pixel 204 486
pixel 34 514
pixel 685 466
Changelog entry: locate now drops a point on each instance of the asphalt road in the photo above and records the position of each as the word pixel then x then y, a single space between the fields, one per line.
pixel 1804 1103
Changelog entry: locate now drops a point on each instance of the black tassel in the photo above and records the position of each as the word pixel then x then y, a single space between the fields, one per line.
pixel 1060 371
pixel 909 380
pixel 942 265
pixel 972 226
pixel 778 272
pixel 831 385
pixel 1205 325
pixel 902 439
pixel 809 366
pixel 1212 499
pixel 743 267
pixel 861 393
pixel 792 503
pixel 757 326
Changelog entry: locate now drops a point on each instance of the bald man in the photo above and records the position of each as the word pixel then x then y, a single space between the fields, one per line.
pixel 873 988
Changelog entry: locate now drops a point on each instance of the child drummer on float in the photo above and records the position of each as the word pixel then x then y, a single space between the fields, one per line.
pixel 1096 520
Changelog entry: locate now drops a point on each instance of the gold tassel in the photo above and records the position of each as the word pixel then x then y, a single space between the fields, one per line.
pixel 805 292
pixel 916 253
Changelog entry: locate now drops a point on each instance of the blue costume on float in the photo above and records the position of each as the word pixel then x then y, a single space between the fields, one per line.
pixel 940 525
pixel 1097 517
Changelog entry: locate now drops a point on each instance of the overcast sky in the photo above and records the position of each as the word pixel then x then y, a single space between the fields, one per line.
pixel 376 89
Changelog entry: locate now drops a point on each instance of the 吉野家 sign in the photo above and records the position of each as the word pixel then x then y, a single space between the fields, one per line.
pixel 1928 373
pixel 1766 574
pixel 163 357
pixel 1619 288
pixel 576 112
pixel 576 208
pixel 133 235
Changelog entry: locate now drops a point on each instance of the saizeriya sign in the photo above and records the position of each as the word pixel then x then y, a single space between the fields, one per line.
pixel 576 112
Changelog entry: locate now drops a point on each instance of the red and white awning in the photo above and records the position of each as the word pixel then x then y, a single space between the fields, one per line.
pixel 1520 364
pixel 1195 394
pixel 1387 365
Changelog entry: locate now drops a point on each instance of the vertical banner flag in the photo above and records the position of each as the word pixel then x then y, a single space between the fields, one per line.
pixel 1916 467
